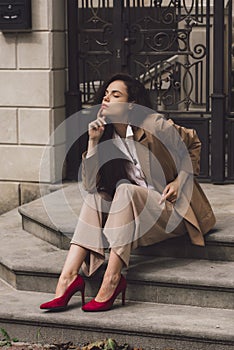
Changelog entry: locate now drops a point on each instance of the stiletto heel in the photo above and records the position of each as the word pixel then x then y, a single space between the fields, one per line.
pixel 83 297
pixel 60 303
pixel 94 306
pixel 123 296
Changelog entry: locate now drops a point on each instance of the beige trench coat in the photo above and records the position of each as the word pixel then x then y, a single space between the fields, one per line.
pixel 156 138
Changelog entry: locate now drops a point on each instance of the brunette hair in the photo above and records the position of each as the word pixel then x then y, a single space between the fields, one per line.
pixel 137 93
pixel 135 89
pixel 115 171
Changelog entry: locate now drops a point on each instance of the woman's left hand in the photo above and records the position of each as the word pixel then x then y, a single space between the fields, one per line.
pixel 170 192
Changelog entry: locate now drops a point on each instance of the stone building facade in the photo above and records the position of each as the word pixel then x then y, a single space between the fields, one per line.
pixel 32 102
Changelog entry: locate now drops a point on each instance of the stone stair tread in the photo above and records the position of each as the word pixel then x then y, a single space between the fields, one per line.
pixel 180 271
pixel 23 252
pixel 59 211
pixel 135 318
pixel 223 231
pixel 27 253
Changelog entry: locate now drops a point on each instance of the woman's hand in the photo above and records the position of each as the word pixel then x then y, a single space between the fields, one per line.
pixel 97 127
pixel 170 192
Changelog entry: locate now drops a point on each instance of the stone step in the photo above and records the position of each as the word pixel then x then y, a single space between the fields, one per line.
pixel 29 263
pixel 143 325
pixel 22 255
pixel 53 218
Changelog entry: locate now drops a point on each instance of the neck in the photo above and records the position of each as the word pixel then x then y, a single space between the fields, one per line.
pixel 121 129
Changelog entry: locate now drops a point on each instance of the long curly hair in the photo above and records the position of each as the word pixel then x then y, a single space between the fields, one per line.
pixel 115 171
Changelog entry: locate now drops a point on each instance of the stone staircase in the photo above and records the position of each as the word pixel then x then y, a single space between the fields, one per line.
pixel 179 296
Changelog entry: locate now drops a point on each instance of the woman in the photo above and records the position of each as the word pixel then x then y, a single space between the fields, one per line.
pixel 141 190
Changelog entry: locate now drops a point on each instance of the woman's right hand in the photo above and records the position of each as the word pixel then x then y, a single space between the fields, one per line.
pixel 97 127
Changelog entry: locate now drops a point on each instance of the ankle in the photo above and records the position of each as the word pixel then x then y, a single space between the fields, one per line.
pixel 63 283
pixel 112 279
pixel 109 284
pixel 67 279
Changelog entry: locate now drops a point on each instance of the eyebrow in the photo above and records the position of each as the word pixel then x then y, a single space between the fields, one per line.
pixel 114 91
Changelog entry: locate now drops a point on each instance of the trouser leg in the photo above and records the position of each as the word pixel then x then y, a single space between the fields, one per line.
pixel 136 218
pixel 89 231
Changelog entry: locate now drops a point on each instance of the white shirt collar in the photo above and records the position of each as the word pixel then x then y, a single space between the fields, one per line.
pixel 129 131
pixel 119 142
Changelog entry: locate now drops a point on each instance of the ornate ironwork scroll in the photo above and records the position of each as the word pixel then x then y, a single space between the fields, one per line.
pixel 164 43
pixel 167 55
pixel 95 20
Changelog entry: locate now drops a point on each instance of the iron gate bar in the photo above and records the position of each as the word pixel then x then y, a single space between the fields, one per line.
pixel 207 54
pixel 73 95
pixel 118 41
pixel 230 104
pixel 230 52
pixel 218 98
pixel 230 132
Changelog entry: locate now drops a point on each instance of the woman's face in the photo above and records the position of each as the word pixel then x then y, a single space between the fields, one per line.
pixel 114 103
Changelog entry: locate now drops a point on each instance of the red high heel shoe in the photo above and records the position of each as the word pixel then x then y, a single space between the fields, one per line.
pixel 94 305
pixel 60 303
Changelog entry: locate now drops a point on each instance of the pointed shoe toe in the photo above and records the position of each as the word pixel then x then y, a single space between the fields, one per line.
pixel 55 304
pixel 60 303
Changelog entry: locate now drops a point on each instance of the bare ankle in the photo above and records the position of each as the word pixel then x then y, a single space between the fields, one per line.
pixel 63 282
pixel 112 279
pixel 109 284
pixel 67 278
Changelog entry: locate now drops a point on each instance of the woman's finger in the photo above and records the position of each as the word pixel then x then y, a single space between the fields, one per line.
pixel 97 123
pixel 167 194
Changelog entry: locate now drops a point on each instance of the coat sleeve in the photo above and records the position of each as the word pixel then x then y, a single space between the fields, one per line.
pixel 90 168
pixel 180 142
pixel 193 144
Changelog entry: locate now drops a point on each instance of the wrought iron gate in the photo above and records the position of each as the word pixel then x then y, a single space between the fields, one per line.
pixel 167 44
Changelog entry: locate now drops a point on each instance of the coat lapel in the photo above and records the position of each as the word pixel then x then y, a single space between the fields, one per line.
pixel 143 152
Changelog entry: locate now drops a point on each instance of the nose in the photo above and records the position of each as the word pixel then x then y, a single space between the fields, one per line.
pixel 106 98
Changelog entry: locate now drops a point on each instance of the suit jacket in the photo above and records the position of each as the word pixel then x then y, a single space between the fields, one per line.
pixel 166 151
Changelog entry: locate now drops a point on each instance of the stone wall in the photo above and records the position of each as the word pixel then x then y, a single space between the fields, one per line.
pixel 32 102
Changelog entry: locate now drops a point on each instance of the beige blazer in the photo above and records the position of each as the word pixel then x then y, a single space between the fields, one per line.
pixel 162 155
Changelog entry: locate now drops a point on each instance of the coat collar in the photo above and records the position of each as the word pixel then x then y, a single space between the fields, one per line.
pixel 139 134
pixel 143 152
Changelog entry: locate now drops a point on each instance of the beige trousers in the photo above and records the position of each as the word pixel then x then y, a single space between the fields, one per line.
pixel 133 218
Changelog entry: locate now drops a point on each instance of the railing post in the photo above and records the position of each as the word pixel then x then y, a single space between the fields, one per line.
pixel 73 95
pixel 117 28
pixel 218 98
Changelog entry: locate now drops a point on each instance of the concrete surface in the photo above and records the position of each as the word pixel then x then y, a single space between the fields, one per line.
pixel 145 323
pixel 28 262
pixel 53 218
